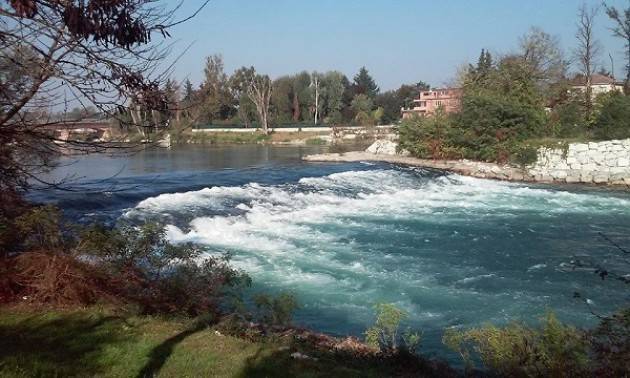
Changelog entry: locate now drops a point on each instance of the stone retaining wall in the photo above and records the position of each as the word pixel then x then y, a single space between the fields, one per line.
pixel 600 163
pixel 605 163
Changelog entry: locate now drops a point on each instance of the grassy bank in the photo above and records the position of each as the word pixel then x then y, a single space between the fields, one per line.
pixel 102 343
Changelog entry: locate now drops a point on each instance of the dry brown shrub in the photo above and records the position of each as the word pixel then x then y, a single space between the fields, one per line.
pixel 55 279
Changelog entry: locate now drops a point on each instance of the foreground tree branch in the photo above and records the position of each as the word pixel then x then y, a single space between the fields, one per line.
pixel 104 54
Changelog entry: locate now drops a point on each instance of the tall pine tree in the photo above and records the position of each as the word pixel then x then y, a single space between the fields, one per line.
pixel 365 84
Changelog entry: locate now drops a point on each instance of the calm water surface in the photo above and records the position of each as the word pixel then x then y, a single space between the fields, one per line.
pixel 450 250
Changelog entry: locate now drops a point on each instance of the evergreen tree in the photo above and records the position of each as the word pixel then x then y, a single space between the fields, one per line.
pixel 188 90
pixel 482 60
pixel 484 64
pixel 365 84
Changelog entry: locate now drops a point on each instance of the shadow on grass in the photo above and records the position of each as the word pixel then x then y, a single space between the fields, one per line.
pixel 161 353
pixel 60 346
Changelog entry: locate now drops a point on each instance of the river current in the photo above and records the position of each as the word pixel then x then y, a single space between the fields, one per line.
pixel 449 250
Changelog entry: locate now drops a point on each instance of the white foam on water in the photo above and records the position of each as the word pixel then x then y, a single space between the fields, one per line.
pixel 537 267
pixel 476 278
pixel 334 239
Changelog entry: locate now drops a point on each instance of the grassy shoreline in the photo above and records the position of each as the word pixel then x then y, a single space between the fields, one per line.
pixel 106 343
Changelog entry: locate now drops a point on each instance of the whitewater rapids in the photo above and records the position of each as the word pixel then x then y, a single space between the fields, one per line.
pixel 450 250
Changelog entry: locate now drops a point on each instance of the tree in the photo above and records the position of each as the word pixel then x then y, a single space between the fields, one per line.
pixel 621 18
pixel 283 99
pixel 217 101
pixel 100 53
pixel 188 90
pixel 239 84
pixel 484 64
pixel 362 105
pixel 171 91
pixel 302 96
pixel 259 91
pixel 315 85
pixel 365 84
pixel 587 51
pixel 334 86
pixel 393 101
pixel 543 56
pixel 188 99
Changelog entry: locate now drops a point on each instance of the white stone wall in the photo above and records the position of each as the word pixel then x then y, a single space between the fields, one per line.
pixel 600 163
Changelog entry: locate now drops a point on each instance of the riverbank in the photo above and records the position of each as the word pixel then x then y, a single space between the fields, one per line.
pixel 604 163
pixel 105 343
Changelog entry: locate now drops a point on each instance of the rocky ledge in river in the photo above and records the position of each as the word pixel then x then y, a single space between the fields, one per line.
pixel 386 151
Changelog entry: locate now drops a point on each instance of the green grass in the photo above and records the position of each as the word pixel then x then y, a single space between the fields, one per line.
pixel 100 343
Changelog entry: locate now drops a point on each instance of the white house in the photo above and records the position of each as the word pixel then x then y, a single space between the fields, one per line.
pixel 599 83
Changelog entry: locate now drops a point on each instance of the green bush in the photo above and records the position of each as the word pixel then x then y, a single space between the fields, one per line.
pixel 384 334
pixel 427 137
pixel 40 227
pixel 613 120
pixel 516 350
pixel 524 154
pixel 490 126
pixel 159 276
pixel 568 119
pixel 276 311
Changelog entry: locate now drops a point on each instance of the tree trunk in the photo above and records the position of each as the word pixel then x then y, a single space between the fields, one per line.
pixel 296 108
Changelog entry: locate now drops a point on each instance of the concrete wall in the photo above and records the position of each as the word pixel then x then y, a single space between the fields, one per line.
pixel 600 163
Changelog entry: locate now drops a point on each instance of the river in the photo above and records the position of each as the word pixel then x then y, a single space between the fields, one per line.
pixel 450 250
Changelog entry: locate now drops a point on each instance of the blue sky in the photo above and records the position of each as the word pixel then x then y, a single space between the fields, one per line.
pixel 399 41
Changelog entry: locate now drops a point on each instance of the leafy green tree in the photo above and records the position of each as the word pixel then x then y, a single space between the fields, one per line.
pixel 333 88
pixel 391 104
pixel 362 103
pixel 283 99
pixel 239 83
pixel 362 106
pixel 302 97
pixel 217 101
pixel 365 84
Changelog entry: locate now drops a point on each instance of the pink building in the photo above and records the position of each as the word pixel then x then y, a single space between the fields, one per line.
pixel 449 99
